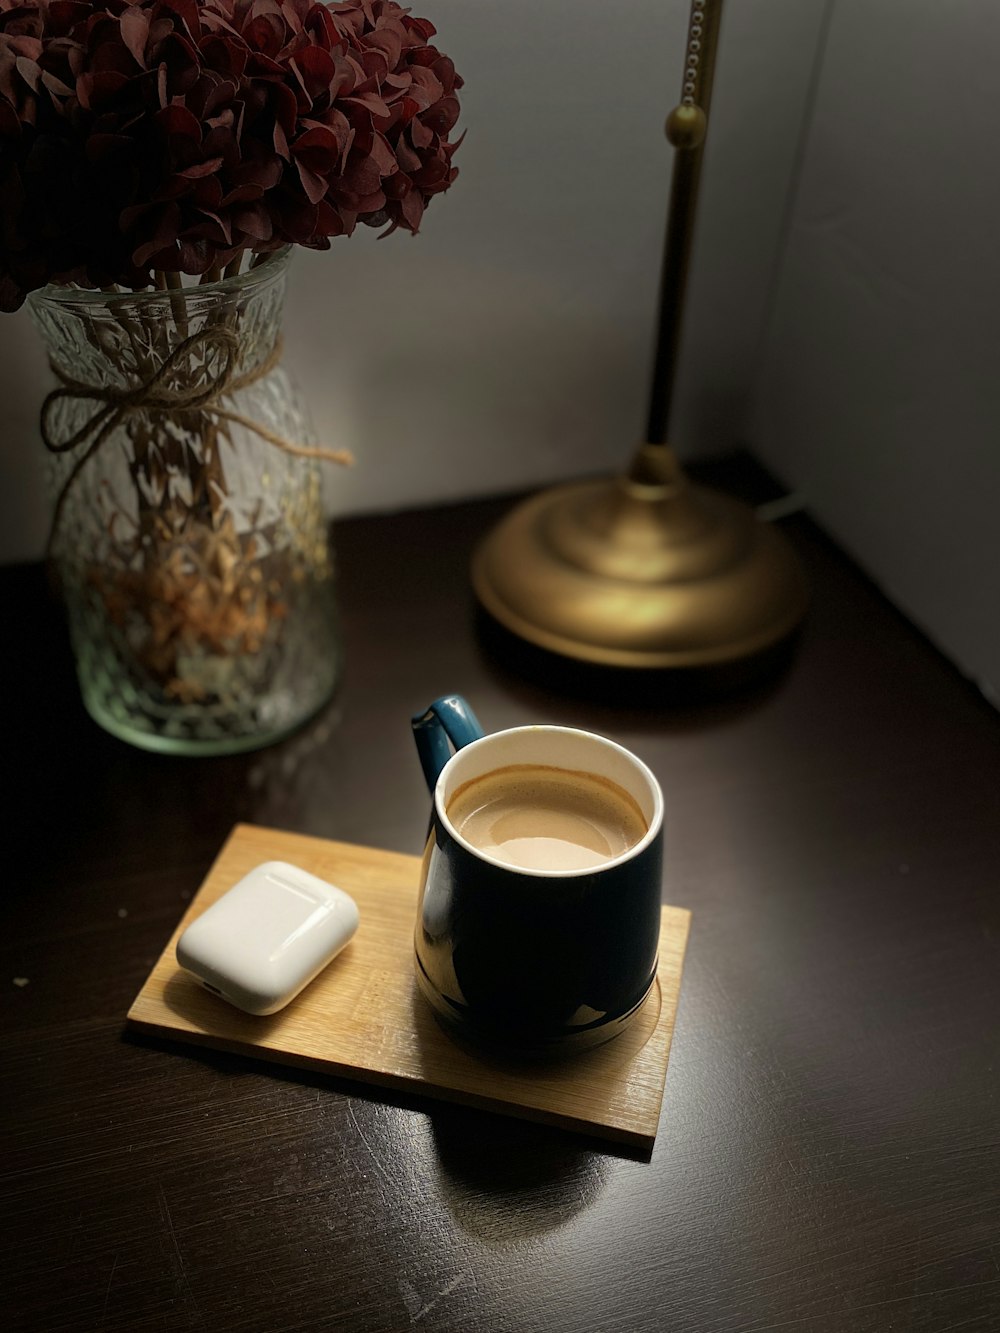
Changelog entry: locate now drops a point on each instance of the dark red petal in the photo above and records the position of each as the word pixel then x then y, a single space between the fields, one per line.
pixel 188 11
pixel 394 187
pixel 361 175
pixel 442 115
pixel 200 169
pixel 382 154
pixel 371 102
pixel 93 89
pixel 319 149
pixel 135 29
pixel 421 136
pixel 315 187
pixel 423 27
pixel 412 210
pixel 388 40
pixel 317 70
pixel 224 55
pixel 178 119
pixel 254 222
pixel 29 71
pixel 196 256
pixel 264 34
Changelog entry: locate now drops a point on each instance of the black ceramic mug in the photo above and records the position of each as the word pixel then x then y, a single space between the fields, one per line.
pixel 536 961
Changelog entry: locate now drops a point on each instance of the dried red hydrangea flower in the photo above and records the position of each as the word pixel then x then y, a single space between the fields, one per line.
pixel 138 135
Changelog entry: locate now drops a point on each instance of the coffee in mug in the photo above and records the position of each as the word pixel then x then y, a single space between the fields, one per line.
pixel 538 917
pixel 538 817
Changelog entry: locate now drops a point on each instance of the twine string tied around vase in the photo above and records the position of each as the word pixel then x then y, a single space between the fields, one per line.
pixel 201 392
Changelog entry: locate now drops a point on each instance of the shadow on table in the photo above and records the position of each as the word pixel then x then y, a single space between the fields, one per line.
pixel 500 1177
pixel 505 1179
pixel 674 695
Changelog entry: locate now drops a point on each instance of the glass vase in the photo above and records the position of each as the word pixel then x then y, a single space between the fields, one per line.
pixel 188 535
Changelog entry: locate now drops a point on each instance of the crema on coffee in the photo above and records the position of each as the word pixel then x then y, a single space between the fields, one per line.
pixel 542 818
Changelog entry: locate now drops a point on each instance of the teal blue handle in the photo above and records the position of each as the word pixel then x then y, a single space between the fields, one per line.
pixel 449 721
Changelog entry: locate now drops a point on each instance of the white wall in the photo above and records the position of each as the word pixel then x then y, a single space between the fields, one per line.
pixel 509 343
pixel 879 391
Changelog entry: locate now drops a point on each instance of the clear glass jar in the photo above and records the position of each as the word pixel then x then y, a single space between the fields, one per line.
pixel 189 537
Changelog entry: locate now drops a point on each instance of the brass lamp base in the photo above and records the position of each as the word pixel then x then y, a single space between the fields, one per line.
pixel 647 570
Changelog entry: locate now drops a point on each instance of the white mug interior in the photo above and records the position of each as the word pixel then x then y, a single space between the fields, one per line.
pixel 557 747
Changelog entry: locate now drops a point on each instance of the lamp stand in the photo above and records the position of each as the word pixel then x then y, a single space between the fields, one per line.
pixel 648 570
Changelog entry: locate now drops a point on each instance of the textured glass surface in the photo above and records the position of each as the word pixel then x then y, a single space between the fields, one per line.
pixel 193 553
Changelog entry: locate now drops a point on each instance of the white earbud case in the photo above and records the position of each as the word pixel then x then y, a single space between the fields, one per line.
pixel 268 936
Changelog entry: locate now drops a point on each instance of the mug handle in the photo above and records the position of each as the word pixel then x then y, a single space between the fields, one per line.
pixel 448 719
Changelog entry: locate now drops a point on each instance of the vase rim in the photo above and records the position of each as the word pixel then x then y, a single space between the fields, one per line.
pixel 269 270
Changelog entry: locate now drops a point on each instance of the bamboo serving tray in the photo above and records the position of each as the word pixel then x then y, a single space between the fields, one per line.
pixel 363 1018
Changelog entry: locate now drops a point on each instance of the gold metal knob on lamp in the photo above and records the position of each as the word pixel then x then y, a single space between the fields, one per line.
pixel 687 126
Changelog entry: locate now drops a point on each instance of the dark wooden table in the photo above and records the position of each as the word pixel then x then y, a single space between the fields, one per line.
pixel 827 1157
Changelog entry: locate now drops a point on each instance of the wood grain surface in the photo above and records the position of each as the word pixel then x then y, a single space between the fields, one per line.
pixel 363 1018
pixel 826 1159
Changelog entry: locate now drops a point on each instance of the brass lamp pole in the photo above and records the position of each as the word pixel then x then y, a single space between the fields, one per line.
pixel 647 569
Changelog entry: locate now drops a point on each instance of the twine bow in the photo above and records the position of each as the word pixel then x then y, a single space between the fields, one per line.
pixel 200 393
